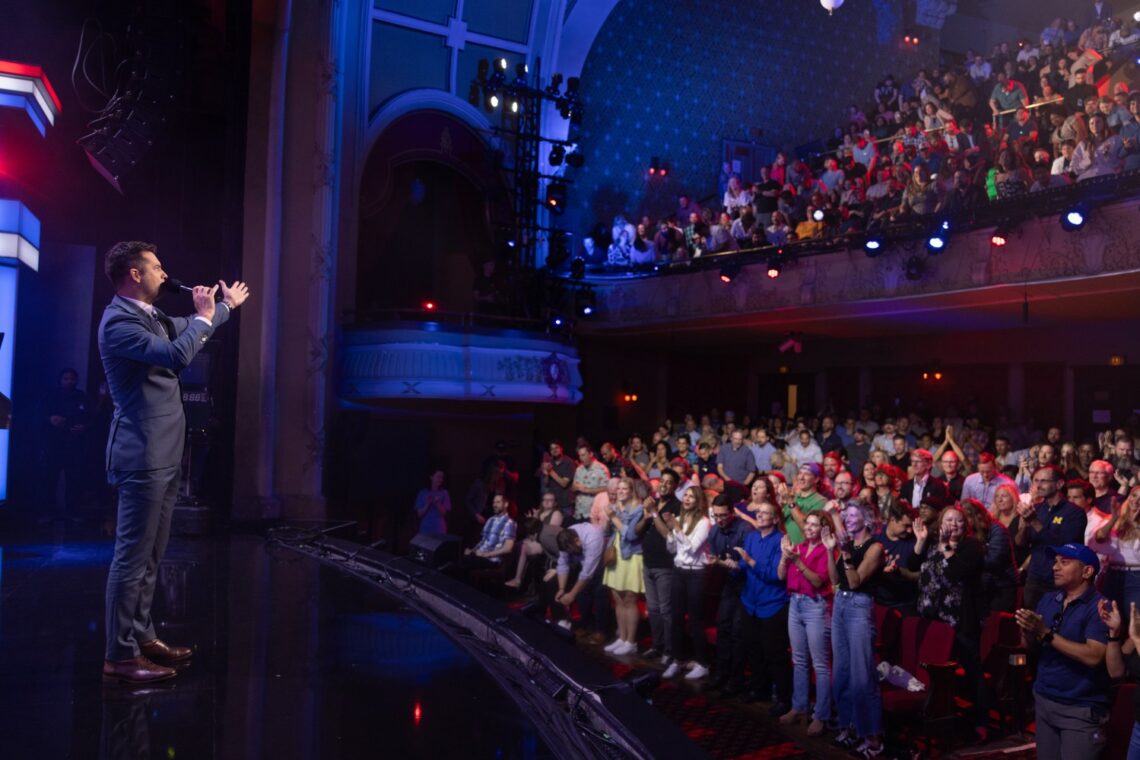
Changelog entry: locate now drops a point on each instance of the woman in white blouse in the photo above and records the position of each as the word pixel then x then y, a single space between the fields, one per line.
pixel 688 534
pixel 1119 540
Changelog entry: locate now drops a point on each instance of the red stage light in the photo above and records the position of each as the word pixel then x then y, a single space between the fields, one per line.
pixel 773 273
pixel 653 170
pixel 998 241
pixel 417 713
pixel 429 305
pixel 725 279
pixel 664 171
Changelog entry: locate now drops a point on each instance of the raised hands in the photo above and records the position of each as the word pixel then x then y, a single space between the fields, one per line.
pixel 1110 615
pixel 234 295
pixel 1025 510
pixel 921 532
pixel 828 538
pixel 787 550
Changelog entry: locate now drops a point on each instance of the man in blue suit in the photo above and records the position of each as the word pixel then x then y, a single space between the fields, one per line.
pixel 143 350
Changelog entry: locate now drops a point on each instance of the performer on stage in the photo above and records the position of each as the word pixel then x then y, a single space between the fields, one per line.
pixel 143 350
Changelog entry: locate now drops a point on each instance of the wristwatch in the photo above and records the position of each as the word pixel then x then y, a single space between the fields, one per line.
pixel 1047 638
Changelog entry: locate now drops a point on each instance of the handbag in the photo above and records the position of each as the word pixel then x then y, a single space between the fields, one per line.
pixel 610 555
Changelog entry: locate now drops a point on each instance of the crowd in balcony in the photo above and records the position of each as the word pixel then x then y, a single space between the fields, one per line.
pixel 1028 116
pixel 792 539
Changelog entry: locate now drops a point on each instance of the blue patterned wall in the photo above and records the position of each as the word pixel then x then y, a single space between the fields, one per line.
pixel 672 78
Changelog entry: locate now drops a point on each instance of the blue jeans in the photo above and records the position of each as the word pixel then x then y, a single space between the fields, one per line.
pixel 1134 743
pixel 809 629
pixel 855 684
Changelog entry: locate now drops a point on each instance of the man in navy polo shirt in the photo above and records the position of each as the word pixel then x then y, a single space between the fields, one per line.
pixel 1053 521
pixel 1071 690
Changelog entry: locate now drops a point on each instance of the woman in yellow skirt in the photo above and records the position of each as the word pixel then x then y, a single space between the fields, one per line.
pixel 624 577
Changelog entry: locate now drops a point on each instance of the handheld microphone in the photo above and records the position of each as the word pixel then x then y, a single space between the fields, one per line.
pixel 174 285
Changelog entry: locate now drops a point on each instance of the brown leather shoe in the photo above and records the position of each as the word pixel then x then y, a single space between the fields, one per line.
pixel 159 651
pixel 135 670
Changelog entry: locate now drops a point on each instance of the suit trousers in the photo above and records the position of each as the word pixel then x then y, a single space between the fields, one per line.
pixel 146 505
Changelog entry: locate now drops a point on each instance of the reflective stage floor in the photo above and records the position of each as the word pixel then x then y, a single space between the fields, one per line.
pixel 293 661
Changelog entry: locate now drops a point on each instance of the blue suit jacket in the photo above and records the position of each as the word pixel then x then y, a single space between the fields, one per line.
pixel 148 429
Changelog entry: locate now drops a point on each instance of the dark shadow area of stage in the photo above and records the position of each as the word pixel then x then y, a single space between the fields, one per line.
pixel 293 660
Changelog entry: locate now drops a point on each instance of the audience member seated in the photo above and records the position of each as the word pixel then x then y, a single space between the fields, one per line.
pixel 497 541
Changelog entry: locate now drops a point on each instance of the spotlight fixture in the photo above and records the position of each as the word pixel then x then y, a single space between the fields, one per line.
pixel 998 241
pixel 945 225
pixel 503 64
pixel 1073 219
pixel 557 154
pixel 514 106
pixel 493 101
pixel 554 86
pixel 817 215
pixel 586 301
pixel 773 269
pixel 429 305
pixel 873 246
pixel 936 243
pixel 557 322
pixel 556 197
pixel 730 270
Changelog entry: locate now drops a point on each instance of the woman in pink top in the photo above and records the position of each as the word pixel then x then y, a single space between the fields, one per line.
pixel 806 568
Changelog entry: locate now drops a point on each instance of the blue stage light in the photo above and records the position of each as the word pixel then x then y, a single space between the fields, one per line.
pixel 935 243
pixel 1073 220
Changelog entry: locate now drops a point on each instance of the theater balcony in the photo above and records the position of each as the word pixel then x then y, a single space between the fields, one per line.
pixel 1004 262
pixel 409 355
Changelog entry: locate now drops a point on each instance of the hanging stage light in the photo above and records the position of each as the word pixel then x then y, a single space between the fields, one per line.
pixel 730 270
pixel 1073 219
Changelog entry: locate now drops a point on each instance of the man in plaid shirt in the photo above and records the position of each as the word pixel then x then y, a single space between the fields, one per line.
pixel 498 538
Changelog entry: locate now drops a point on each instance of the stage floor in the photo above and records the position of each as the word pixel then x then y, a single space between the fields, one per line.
pixel 293 661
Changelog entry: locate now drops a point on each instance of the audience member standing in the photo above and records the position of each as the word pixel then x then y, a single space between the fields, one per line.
pixel 688 538
pixel 765 599
pixel 625 578
pixel 855 685
pixel 727 535
pixel 808 569
pixel 654 529
pixel 1051 522
pixel 1070 693
pixel 432 505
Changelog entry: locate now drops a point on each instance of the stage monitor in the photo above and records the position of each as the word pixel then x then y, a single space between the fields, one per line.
pixel 435 551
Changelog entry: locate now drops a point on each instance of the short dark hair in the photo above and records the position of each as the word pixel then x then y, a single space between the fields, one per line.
pixel 1085 486
pixel 568 541
pixel 123 257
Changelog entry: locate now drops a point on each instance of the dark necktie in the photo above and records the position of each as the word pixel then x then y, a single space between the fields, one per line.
pixel 161 324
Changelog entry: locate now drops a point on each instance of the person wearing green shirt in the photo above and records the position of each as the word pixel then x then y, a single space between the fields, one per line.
pixel 803 501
